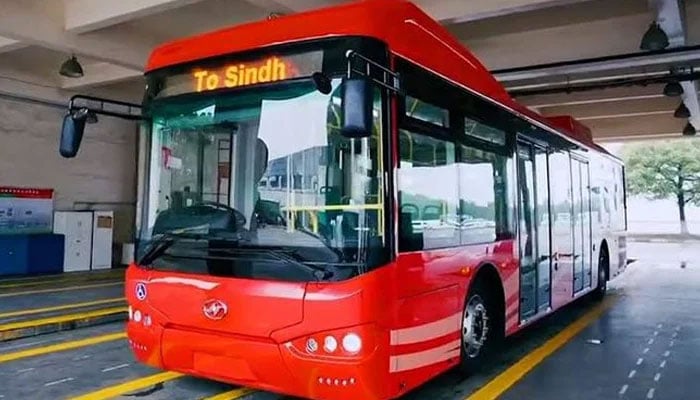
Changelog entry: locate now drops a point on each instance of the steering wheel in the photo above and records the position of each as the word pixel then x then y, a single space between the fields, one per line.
pixel 239 217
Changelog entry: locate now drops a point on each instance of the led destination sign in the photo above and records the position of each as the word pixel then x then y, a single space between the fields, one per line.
pixel 232 73
pixel 243 74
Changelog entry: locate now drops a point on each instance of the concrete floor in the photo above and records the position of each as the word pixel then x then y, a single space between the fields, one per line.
pixel 649 345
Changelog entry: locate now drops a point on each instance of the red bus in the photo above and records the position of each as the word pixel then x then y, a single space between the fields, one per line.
pixel 344 203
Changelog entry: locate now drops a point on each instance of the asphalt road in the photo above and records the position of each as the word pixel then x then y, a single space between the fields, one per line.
pixel 69 373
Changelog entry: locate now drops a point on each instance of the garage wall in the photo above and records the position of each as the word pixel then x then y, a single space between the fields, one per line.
pixel 102 176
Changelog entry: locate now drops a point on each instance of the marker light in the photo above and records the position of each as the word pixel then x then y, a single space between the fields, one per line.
pixel 137 316
pixel 330 344
pixel 147 320
pixel 131 313
pixel 311 345
pixel 352 343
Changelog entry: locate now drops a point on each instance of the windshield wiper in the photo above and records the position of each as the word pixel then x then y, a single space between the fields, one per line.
pixel 165 240
pixel 281 254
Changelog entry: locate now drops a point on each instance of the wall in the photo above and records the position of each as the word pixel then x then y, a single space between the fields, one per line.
pixel 103 173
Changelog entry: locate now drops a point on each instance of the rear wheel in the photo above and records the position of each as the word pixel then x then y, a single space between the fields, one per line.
pixel 603 274
pixel 482 329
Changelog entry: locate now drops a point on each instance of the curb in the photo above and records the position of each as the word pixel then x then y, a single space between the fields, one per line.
pixel 58 324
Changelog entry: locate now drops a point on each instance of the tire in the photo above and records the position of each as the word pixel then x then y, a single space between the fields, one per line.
pixel 603 274
pixel 482 327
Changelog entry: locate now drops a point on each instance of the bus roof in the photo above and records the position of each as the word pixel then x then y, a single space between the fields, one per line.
pixel 406 29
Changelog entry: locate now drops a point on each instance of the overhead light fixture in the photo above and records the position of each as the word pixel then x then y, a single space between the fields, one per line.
pixel 689 130
pixel 91 117
pixel 654 39
pixel 682 111
pixel 71 68
pixel 673 89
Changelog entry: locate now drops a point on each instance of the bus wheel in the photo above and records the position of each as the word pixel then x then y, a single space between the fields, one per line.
pixel 603 268
pixel 479 328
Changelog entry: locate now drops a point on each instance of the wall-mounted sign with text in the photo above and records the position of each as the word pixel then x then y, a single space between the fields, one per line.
pixel 25 210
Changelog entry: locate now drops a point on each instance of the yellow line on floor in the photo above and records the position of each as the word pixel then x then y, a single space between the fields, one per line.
pixel 59 308
pixel 501 383
pixel 101 279
pixel 61 318
pixel 65 276
pixel 61 289
pixel 231 394
pixel 61 347
pixel 130 386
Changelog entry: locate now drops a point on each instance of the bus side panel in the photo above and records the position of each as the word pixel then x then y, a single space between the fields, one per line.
pixel 432 286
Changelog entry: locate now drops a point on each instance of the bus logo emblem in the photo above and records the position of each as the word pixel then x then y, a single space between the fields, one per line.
pixel 215 309
pixel 141 291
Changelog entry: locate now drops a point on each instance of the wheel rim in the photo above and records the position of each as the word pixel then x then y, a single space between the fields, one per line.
pixel 475 326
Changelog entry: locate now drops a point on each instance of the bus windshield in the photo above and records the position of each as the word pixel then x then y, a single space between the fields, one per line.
pixel 259 183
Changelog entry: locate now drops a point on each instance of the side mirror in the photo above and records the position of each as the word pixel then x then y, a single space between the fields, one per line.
pixel 358 99
pixel 72 132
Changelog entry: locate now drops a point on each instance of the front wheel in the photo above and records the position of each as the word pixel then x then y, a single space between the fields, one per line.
pixel 480 328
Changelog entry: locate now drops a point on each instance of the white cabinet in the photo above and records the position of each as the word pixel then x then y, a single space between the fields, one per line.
pixel 88 239
pixel 77 229
pixel 102 232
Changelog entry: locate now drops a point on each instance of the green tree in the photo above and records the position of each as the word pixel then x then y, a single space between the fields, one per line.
pixel 663 170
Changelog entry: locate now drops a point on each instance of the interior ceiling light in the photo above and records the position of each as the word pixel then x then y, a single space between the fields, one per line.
pixel 673 89
pixel 689 130
pixel 654 39
pixel 682 111
pixel 71 68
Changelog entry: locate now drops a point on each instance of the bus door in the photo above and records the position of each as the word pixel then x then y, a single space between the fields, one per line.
pixel 581 224
pixel 529 226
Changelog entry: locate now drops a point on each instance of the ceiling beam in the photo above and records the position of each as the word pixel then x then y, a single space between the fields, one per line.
pixel 26 21
pixel 459 11
pixel 622 109
pixel 89 15
pixel 611 95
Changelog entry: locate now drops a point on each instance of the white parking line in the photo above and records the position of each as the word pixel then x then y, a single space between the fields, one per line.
pixel 640 361
pixel 19 371
pixel 120 366
pixel 663 364
pixel 651 341
pixel 646 350
pixel 58 381
pixel 624 389
pixel 632 373
pixel 667 353
pixel 650 393
pixel 657 376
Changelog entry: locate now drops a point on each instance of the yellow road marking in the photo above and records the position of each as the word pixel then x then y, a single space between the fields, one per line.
pixel 61 289
pixel 63 281
pixel 231 394
pixel 130 386
pixel 517 371
pixel 61 347
pixel 63 307
pixel 63 277
pixel 61 318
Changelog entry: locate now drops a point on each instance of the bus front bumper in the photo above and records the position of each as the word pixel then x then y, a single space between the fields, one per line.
pixel 258 363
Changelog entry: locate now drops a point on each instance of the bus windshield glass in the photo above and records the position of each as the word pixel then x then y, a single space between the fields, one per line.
pixel 259 183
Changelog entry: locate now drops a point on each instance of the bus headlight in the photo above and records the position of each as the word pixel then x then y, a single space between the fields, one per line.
pixel 352 343
pixel 330 344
